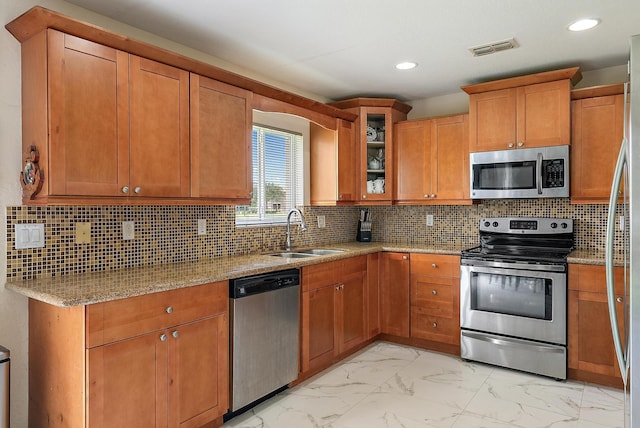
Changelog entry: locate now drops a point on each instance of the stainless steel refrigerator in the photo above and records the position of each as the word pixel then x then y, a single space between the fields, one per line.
pixel 624 245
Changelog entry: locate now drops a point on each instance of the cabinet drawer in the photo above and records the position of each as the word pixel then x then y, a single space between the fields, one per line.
pixel 593 278
pixel 119 319
pixel 353 265
pixel 435 265
pixel 433 293
pixel 426 325
pixel 316 276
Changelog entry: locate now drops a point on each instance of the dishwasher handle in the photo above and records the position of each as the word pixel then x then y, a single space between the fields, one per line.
pixel 252 285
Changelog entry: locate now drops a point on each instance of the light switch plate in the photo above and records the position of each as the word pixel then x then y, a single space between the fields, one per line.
pixel 322 222
pixel 29 235
pixel 83 233
pixel 202 226
pixel 128 230
pixel 429 219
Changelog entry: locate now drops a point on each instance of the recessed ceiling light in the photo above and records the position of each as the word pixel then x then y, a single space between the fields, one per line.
pixel 584 24
pixel 406 65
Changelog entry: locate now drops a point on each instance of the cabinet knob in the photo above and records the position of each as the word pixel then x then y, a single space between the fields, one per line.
pixel 510 145
pixel 520 144
pixel 137 190
pixel 163 337
pixel 619 299
pixel 125 189
pixel 434 292
pixel 434 325
pixel 175 334
pixel 433 195
pixel 338 288
pixel 404 257
pixel 364 196
pixel 169 309
pixel 433 265
pixel 426 196
pixel 339 196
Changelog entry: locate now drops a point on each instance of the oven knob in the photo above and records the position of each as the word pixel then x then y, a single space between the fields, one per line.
pixel 554 225
pixel 564 225
pixel 487 224
pixel 495 224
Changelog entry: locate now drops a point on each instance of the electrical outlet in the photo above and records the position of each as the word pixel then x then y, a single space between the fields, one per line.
pixel 128 230
pixel 429 219
pixel 202 226
pixel 322 222
pixel 83 233
pixel 29 235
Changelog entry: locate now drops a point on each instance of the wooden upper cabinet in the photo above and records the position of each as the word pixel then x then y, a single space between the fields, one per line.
pixel 373 162
pixel 596 134
pixel 159 129
pixel 221 123
pixel 522 112
pixel 347 178
pixel 432 161
pixel 88 115
pixel 413 160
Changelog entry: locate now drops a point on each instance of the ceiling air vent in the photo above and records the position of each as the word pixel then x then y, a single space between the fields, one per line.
pixel 494 47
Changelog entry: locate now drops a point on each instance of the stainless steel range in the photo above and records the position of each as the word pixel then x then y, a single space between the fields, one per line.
pixel 513 295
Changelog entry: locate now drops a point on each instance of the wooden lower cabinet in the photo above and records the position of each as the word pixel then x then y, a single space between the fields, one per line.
pixel 435 298
pixel 592 356
pixel 373 295
pixel 334 314
pixel 394 294
pixel 171 375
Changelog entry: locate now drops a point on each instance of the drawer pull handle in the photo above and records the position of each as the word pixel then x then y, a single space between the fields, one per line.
pixel 434 325
pixel 434 292
pixel 619 299
pixel 169 309
pixel 175 334
pixel 163 337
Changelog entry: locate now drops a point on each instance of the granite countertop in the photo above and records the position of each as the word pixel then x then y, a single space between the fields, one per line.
pixel 96 287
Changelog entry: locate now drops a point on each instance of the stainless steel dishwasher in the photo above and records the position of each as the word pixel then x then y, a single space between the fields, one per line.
pixel 264 335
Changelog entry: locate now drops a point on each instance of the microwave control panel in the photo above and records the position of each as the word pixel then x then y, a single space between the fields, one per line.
pixel 553 173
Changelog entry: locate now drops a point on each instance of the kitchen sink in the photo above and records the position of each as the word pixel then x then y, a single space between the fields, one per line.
pixel 314 252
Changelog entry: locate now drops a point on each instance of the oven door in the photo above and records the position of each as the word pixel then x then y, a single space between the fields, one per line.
pixel 528 304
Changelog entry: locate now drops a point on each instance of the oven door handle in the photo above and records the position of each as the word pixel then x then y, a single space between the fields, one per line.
pixel 512 343
pixel 521 266
pixel 539 173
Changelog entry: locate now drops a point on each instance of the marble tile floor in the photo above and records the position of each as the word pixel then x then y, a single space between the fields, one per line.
pixel 392 386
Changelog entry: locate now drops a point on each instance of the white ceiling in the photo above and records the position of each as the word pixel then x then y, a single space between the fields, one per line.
pixel 343 48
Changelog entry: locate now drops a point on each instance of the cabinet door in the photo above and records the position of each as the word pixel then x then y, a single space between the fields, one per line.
pixel 544 114
pixel 323 169
pixel 449 158
pixel 596 135
pixel 351 306
pixel 492 120
pixel 380 172
pixel 127 383
pixel 318 325
pixel 159 129
pixel 221 121
pixel 89 117
pixel 394 294
pixel 373 295
pixel 198 372
pixel 413 160
pixel 347 164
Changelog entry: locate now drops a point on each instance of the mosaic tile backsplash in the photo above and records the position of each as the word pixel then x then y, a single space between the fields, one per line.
pixel 168 234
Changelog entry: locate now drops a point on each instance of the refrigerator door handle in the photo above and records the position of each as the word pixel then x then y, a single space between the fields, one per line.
pixel 621 352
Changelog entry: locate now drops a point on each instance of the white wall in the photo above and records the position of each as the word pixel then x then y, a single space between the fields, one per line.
pixel 459 102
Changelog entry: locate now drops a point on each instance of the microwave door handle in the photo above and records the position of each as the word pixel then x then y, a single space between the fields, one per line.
pixel 539 173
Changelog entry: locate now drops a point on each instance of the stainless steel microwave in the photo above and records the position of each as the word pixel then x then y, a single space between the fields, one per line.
pixel 521 173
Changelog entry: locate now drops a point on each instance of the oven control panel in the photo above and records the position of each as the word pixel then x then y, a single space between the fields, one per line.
pixel 528 225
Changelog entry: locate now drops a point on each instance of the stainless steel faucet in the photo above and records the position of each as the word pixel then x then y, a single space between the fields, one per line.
pixel 303 226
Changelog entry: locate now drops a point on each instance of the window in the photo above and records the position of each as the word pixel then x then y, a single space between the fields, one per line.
pixel 277 177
